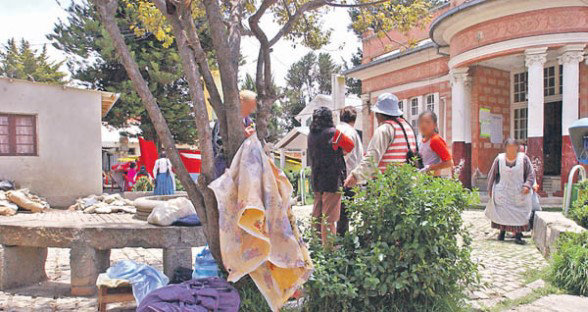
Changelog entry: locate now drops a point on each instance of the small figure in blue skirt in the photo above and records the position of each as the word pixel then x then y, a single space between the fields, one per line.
pixel 165 183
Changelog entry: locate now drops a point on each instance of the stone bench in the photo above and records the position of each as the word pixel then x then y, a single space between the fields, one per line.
pixel 547 226
pixel 26 237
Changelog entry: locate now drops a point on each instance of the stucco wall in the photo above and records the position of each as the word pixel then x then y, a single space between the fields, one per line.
pixel 374 46
pixel 539 22
pixel 68 164
pixel 426 70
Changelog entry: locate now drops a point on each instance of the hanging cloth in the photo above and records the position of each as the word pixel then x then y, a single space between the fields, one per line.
pixel 258 233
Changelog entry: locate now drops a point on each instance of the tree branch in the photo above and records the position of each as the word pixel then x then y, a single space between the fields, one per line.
pixel 107 10
pixel 228 67
pixel 355 5
pixel 204 132
pixel 308 6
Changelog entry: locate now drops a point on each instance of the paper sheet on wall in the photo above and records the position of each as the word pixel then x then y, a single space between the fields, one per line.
pixel 491 126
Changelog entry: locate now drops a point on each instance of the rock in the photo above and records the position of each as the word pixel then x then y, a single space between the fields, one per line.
pixel 547 228
pixel 536 284
pixel 519 293
pixel 555 303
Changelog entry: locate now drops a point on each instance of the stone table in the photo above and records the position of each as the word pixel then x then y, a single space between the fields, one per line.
pixel 25 238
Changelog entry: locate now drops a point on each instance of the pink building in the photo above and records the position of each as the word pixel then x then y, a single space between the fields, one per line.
pixel 490 69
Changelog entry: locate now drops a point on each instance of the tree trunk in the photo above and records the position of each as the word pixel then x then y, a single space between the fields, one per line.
pixel 192 75
pixel 228 65
pixel 107 10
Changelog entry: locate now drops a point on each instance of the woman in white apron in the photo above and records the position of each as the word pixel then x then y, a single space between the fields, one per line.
pixel 510 183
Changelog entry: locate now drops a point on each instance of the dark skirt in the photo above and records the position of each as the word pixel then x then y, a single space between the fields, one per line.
pixel 511 228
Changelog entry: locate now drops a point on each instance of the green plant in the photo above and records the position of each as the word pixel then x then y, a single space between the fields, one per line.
pixel 293 177
pixel 407 249
pixel 143 184
pixel 579 210
pixel 582 185
pixel 569 264
pixel 179 186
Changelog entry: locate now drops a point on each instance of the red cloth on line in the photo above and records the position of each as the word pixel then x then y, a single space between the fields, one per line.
pixel 148 154
pixel 439 146
pixel 192 160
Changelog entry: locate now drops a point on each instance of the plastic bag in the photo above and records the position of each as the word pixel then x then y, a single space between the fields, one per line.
pixel 142 277
pixel 170 211
pixel 204 265
pixel 6 185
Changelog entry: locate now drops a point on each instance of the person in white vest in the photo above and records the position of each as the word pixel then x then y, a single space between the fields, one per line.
pixel 510 187
pixel 165 183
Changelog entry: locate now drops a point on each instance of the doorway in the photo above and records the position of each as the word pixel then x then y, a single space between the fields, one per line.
pixel 552 139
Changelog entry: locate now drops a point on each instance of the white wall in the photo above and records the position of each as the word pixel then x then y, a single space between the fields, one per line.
pixel 69 159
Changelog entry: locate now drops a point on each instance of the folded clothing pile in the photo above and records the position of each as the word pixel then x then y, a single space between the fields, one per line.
pixel 105 203
pixel 196 295
pixel 11 200
pixel 170 211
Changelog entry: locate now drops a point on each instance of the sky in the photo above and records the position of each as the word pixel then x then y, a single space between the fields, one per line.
pixel 33 19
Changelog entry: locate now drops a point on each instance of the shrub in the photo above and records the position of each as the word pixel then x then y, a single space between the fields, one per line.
pixel 569 264
pixel 143 184
pixel 579 210
pixel 407 249
pixel 179 185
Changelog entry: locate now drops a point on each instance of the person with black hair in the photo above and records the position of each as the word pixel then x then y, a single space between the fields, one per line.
pixel 165 183
pixel 394 142
pixel 328 171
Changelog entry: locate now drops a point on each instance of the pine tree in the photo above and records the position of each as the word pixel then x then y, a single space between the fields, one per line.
pixel 93 62
pixel 23 62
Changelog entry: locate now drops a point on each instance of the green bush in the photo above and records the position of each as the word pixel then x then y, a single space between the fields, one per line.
pixel 143 184
pixel 179 185
pixel 407 249
pixel 569 263
pixel 579 210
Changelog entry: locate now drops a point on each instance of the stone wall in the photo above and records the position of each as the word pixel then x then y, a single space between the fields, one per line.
pixel 548 226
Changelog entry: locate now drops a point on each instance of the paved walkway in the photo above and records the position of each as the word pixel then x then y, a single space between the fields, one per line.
pixel 503 265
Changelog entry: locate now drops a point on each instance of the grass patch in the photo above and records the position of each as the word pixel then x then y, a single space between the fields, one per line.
pixel 536 294
pixel 532 275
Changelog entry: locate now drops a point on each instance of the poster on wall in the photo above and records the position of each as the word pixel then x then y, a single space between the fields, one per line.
pixel 491 126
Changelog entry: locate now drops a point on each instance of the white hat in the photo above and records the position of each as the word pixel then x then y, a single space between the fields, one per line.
pixel 388 105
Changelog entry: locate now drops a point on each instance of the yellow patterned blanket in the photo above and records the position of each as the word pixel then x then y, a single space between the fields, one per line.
pixel 258 233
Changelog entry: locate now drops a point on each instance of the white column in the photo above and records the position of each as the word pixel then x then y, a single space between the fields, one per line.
pixel 534 60
pixel 460 110
pixel 570 58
